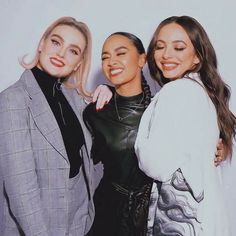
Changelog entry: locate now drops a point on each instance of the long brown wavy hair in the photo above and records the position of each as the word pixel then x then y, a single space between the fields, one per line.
pixel 217 90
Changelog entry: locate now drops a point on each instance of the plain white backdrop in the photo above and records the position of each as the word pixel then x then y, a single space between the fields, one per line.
pixel 22 23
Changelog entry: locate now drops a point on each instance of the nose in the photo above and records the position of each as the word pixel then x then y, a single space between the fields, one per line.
pixel 167 53
pixel 61 52
pixel 112 61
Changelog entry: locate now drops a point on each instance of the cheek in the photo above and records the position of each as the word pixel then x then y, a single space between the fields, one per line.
pixel 131 64
pixel 157 57
pixel 50 49
pixel 189 61
pixel 104 68
pixel 126 61
pixel 44 58
pixel 132 60
pixel 71 60
pixel 188 56
pixel 158 63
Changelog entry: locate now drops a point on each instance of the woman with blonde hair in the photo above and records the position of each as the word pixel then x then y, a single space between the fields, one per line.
pixel 44 144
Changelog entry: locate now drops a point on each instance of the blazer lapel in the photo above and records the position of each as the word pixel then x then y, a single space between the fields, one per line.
pixel 42 114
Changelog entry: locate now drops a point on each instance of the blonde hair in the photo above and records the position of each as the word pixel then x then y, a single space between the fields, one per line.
pixel 81 75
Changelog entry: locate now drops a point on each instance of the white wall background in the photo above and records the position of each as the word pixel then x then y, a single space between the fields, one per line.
pixel 22 23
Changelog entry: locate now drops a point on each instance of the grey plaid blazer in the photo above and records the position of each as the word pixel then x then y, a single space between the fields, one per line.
pixel 37 197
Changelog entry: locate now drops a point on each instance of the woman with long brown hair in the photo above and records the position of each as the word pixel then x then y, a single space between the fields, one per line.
pixel 178 131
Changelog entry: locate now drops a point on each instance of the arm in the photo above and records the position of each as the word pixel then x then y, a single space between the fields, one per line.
pixel 17 165
pixel 179 134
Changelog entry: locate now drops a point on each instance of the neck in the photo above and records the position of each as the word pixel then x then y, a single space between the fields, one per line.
pixel 128 90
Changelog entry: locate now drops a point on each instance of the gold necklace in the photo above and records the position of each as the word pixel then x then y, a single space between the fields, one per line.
pixel 131 113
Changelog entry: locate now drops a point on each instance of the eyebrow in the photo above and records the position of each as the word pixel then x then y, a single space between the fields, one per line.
pixel 117 49
pixel 72 45
pixel 175 41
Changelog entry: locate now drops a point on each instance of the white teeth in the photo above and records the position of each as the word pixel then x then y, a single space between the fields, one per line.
pixel 116 71
pixel 169 65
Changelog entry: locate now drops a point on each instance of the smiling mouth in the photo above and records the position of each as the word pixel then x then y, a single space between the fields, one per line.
pixel 116 71
pixel 169 66
pixel 56 62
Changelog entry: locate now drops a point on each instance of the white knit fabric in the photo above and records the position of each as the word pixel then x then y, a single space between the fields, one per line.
pixel 179 131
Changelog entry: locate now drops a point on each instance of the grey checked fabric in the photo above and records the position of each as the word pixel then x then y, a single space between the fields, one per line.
pixel 37 197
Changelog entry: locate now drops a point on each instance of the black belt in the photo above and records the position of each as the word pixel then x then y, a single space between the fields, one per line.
pixel 134 194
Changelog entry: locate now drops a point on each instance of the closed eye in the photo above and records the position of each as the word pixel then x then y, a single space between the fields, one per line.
pixel 159 47
pixel 73 51
pixel 104 57
pixel 179 49
pixel 121 53
pixel 55 42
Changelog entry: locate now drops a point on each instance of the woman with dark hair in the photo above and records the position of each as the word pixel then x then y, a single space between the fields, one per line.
pixel 122 197
pixel 178 131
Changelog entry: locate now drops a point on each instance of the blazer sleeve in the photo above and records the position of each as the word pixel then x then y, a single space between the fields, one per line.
pixel 175 133
pixel 17 164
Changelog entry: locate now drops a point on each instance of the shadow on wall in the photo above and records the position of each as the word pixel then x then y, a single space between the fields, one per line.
pixel 98 78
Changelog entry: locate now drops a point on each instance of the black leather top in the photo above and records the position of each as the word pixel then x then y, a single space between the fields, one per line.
pixel 114 139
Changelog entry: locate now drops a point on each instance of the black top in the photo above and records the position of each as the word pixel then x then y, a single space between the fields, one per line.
pixel 67 120
pixel 114 130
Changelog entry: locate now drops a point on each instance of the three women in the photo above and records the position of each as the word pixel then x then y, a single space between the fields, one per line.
pixel 48 177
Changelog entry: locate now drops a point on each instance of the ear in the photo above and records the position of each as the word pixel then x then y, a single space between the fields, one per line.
pixel 142 60
pixel 196 60
pixel 77 66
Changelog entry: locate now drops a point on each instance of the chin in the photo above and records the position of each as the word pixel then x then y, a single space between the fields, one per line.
pixel 171 77
pixel 55 72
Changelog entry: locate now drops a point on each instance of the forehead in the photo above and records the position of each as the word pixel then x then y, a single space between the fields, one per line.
pixel 69 34
pixel 173 32
pixel 117 41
